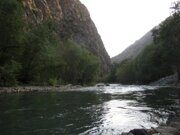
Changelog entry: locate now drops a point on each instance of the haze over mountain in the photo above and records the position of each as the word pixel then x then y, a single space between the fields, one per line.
pixel 121 22
pixel 133 50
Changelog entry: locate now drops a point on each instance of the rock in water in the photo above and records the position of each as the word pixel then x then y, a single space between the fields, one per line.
pixel 139 132
pixel 73 21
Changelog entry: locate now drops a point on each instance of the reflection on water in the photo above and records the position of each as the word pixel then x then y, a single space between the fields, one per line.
pixel 103 110
pixel 118 117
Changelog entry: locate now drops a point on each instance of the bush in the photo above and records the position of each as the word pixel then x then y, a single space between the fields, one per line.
pixel 53 81
pixel 9 73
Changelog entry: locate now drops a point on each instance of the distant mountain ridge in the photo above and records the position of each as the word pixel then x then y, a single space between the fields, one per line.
pixel 133 50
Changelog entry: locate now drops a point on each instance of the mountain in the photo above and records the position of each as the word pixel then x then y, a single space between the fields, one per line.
pixel 133 50
pixel 73 21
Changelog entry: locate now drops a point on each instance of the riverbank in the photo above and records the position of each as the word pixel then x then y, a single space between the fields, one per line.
pixel 171 128
pixel 38 88
pixel 115 108
pixel 17 89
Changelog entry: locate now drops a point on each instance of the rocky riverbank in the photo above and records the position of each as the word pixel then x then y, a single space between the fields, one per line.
pixel 168 80
pixel 171 128
pixel 37 88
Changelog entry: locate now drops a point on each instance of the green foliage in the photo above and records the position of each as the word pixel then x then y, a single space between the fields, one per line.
pixel 168 40
pixel 46 58
pixel 82 67
pixel 11 25
pixel 160 59
pixel 146 67
pixel 40 56
pixel 8 73
pixel 35 55
pixel 111 77
pixel 125 72
pixel 53 81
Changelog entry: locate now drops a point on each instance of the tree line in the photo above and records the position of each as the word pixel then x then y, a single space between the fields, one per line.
pixel 35 55
pixel 160 59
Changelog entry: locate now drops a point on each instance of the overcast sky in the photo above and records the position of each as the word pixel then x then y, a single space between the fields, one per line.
pixel 121 22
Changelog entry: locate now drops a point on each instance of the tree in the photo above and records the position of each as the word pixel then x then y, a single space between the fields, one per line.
pixel 176 7
pixel 11 25
pixel 36 55
pixel 40 58
pixel 81 66
pixel 168 39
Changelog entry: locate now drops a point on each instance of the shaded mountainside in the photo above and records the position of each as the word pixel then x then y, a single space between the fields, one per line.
pixel 73 21
pixel 133 50
pixel 157 56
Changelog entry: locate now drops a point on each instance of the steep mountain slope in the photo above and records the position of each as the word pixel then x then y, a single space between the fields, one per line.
pixel 133 50
pixel 73 21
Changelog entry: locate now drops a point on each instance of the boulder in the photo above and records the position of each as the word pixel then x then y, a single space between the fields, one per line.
pixel 100 84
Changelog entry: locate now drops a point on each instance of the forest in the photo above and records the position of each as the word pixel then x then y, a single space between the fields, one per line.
pixel 157 60
pixel 35 55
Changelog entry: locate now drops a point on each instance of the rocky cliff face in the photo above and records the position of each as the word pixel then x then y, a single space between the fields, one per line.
pixel 73 21
pixel 133 50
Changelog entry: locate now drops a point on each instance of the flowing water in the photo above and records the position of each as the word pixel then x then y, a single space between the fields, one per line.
pixel 108 110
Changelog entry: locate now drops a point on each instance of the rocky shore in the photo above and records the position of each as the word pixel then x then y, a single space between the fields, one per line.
pixel 38 88
pixel 168 80
pixel 171 128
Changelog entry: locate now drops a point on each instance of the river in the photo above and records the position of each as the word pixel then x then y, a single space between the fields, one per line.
pixel 108 110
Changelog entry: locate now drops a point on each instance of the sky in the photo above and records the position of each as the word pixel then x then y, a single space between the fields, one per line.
pixel 121 22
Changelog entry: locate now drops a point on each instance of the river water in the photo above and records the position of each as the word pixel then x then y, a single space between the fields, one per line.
pixel 108 110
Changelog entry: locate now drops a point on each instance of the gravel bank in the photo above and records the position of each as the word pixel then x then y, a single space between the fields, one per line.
pixel 37 88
